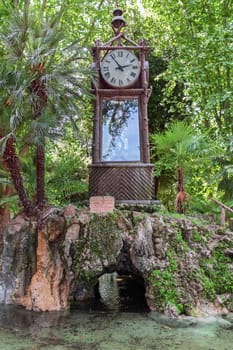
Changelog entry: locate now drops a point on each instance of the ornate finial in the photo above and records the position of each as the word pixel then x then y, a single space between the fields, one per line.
pixel 118 21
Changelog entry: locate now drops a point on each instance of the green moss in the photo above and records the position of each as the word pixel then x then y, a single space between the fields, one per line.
pixel 96 242
pixel 164 284
pixel 219 270
pixel 104 231
pixel 140 217
pixel 181 244
pixel 198 221
pixel 214 274
pixel 197 237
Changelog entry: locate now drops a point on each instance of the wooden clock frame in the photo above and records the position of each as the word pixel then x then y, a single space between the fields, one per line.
pixel 131 180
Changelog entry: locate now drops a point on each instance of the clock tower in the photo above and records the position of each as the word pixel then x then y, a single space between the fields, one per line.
pixel 120 157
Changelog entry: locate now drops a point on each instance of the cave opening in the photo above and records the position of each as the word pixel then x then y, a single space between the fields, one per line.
pixel 119 287
pixel 114 292
pixel 121 292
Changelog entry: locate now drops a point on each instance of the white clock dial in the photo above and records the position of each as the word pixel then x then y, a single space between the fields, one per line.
pixel 120 68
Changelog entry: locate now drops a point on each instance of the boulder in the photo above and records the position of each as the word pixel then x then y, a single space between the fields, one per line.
pixel 182 263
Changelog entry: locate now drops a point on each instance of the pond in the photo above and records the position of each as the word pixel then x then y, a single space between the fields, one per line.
pixel 103 330
pixel 117 320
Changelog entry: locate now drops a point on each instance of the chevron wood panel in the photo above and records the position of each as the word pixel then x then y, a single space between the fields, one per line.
pixel 124 183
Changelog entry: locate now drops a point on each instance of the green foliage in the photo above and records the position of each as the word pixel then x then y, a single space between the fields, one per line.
pixel 197 237
pixel 208 285
pixel 161 113
pixel 42 81
pixel 182 146
pixel 218 270
pixel 190 72
pixel 195 38
pixel 164 284
pixel 173 147
pixel 182 244
pixel 224 175
pixel 200 37
pixel 7 198
pixel 11 201
pixel 34 47
pixel 214 275
pixel 67 172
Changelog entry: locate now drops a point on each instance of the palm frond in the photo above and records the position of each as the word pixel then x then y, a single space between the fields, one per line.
pixel 44 81
pixel 3 141
pixel 11 199
pixel 4 181
pixel 15 118
pixel 179 133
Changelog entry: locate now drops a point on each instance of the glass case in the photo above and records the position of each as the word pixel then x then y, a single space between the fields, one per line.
pixel 120 137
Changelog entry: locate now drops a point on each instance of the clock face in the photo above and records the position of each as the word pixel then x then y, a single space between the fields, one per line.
pixel 120 68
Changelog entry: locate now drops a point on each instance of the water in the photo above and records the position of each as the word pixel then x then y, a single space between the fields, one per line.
pixel 24 330
pixel 111 323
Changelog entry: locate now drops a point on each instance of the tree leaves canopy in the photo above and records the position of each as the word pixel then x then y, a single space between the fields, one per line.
pixel 190 59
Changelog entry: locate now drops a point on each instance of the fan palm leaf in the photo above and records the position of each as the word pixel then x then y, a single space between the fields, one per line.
pixel 40 75
pixel 173 148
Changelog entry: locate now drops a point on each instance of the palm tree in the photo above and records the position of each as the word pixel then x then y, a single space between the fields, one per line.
pixel 42 82
pixel 6 190
pixel 173 148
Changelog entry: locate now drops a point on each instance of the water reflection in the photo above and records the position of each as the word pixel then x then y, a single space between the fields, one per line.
pixel 120 133
pixel 24 330
pixel 109 328
pixel 36 323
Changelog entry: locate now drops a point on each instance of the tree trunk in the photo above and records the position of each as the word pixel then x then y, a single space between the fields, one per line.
pixel 4 216
pixel 38 89
pixel 181 195
pixel 5 190
pixel 12 162
pixel 40 171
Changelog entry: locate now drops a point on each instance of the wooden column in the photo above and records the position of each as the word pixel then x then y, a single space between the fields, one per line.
pixel 144 100
pixel 96 125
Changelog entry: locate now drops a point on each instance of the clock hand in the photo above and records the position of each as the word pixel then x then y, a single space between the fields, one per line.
pixel 126 65
pixel 119 66
pixel 122 67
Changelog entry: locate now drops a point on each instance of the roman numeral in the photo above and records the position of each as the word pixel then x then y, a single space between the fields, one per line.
pixel 113 55
pixel 107 75
pixel 120 54
pixel 120 82
pixel 135 67
pixel 131 61
pixel 113 81
pixel 133 74
pixel 106 69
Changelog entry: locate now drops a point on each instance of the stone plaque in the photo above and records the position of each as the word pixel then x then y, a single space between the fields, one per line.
pixel 102 204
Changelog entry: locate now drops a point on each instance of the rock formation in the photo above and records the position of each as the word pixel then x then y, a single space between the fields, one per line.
pixel 186 264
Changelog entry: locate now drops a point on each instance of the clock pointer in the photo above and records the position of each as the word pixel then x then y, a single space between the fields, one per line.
pixel 118 64
pixel 122 67
pixel 126 65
